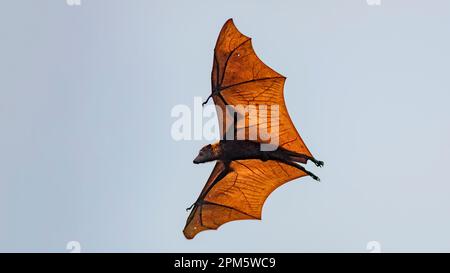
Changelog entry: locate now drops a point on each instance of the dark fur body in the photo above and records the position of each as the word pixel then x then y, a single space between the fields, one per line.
pixel 229 150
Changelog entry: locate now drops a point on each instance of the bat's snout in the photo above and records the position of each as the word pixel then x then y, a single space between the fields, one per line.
pixel 197 160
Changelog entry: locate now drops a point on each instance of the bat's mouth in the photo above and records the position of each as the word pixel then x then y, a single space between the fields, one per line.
pixel 196 161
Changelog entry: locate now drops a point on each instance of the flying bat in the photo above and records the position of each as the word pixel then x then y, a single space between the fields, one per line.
pixel 246 171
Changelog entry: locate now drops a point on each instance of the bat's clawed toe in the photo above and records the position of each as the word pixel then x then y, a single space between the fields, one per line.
pixel 318 163
pixel 315 177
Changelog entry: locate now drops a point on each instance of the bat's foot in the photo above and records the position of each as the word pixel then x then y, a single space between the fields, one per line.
pixel 315 177
pixel 319 163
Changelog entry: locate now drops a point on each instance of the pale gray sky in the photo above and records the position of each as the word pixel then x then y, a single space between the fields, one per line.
pixel 86 152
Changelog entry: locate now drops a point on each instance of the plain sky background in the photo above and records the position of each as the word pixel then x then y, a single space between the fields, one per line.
pixel 85 147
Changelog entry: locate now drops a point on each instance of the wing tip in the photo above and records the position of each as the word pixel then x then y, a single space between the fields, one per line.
pixel 194 225
pixel 229 22
pixel 190 232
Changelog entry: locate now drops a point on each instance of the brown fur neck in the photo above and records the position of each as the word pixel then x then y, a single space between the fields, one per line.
pixel 216 150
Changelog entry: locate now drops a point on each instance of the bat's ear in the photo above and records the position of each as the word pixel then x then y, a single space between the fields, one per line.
pixel 206 149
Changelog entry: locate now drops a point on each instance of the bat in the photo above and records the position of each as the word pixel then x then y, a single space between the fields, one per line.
pixel 245 173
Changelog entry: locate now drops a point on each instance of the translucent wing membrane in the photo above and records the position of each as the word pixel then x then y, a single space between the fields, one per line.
pixel 240 78
pixel 239 195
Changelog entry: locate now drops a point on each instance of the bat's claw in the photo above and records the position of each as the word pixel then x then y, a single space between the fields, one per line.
pixel 188 209
pixel 206 101
pixel 319 163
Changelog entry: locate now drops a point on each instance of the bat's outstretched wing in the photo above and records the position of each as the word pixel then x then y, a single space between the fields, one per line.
pixel 237 190
pixel 239 77
pixel 239 195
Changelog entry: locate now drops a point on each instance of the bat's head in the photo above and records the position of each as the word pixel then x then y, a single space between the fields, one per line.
pixel 206 154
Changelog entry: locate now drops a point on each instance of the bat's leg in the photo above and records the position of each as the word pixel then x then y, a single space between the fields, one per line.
pixel 303 157
pixel 317 162
pixel 298 166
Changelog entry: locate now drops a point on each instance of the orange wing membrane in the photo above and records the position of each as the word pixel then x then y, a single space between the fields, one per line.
pixel 239 77
pixel 240 195
pixel 243 79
